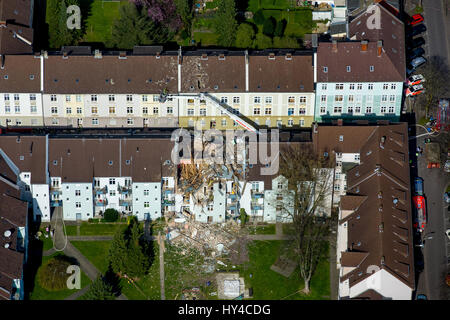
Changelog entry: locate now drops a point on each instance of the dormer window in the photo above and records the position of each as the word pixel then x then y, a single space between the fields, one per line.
pixel 325 69
pixel 349 69
pixel 272 56
pixel 371 68
pixel 204 56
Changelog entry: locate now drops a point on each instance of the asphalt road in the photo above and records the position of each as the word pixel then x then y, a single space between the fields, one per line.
pixel 435 252
pixel 436 19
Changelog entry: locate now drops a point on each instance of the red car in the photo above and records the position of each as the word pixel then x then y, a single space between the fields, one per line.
pixel 421 218
pixel 414 90
pixel 415 19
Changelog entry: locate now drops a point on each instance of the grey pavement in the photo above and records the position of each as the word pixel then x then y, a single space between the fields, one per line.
pixel 436 18
pixel 90 238
pixel 78 294
pixel 161 265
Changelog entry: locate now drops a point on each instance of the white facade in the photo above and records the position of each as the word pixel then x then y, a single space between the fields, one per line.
pixel 41 201
pixel 146 200
pixel 77 201
pixel 18 109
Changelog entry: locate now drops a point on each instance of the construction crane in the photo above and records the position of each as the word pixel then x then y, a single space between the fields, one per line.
pixel 216 102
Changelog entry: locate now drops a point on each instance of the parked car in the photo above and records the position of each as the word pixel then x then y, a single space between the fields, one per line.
pixel 415 79
pixel 447 166
pixel 416 30
pixel 414 90
pixel 415 19
pixel 416 53
pixel 417 62
pixel 421 217
pixel 418 186
pixel 421 297
pixel 414 43
pixel 448 233
pixel 447 197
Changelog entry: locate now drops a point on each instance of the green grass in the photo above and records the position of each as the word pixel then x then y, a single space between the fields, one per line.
pixel 95 251
pixel 268 284
pixel 40 293
pixel 254 5
pixel 97 229
pixel 206 38
pixel 100 21
pixel 47 243
pixel 265 229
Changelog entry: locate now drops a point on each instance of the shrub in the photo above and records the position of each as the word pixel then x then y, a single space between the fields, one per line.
pixel 53 275
pixel 262 41
pixel 279 29
pixel 258 17
pixel 269 27
pixel 245 35
pixel 111 215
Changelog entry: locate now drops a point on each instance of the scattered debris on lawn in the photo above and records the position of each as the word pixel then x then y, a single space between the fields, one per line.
pixel 230 286
pixel 284 266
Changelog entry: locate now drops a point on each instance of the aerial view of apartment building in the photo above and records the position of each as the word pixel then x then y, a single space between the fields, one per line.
pixel 204 150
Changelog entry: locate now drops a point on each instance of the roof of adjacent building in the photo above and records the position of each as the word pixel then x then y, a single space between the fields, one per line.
pixel 213 72
pixel 83 74
pixel 18 17
pixel 11 267
pixel 391 32
pixel 336 57
pixel 349 202
pixel 382 225
pixel 20 74
pixel 80 160
pixel 28 154
pixel 281 72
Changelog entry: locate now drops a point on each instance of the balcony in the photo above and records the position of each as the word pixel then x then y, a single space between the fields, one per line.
pixel 124 189
pixel 99 190
pixel 125 202
pixel 56 203
pixel 257 194
pixel 167 202
pixel 56 191
pixel 101 202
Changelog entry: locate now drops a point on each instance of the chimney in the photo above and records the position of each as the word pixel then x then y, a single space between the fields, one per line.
pixel 334 47
pixel 288 56
pixel 204 56
pixel 379 47
pixel 340 122
pixel 3 24
pixel 364 45
pixel 65 55
pixel 122 55
pixel 97 54
pixel 272 56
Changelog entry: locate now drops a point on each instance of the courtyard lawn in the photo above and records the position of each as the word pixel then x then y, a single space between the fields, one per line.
pixel 269 285
pixel 99 229
pixel 205 38
pixel 95 251
pixel 264 229
pixel 40 293
pixel 99 17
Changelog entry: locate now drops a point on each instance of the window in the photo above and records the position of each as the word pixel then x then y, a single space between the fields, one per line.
pixel 54 110
pixel 203 111
pixel 146 204
pixel 302 99
pixel 385 86
pixel 79 110
pixel 359 87
pixel 155 110
pixel 18 122
pixel 371 68
pixel 155 98
pixel 256 111
pixel 129 97
pixel 338 98
pixel 392 98
pixel 337 109
pixel 391 109
pixel 68 110
pixel 7 109
pixel 129 110
pixel 323 98
pixel 268 100
pixel 357 157
pixel 368 109
pixel 53 97
pixel 383 109
pixel 351 98
pixel 112 98
pixel 393 86
pixel 337 187
pixel 224 100
pixel 236 100
pixel 130 121
pixel 144 110
pixel 351 86
pixel 112 181
pixel 349 68
pixel 94 110
pixel 257 100
pixel 302 123
pixel 290 111
pixel 357 109
pixel 94 121
pixel 112 110
pixel 370 86
pixel 350 109
pixel 290 122
pixel 146 192
pixel 68 99
pixel 32 97
pixel 323 110
pixel 341 138
pixel 112 193
pixel 325 69
pixel 16 97
pixel 339 86
pixel 78 98
pixel 77 204
pixel 77 193
pixel 6 97
pixel 144 98
pixel 169 110
pixel 93 98
pixel 268 111
pixel 33 109
pixel 291 100
pixel 224 122
pixel 190 112
pixel 302 111
pixel 17 109
pixel 324 86
pixel 55 121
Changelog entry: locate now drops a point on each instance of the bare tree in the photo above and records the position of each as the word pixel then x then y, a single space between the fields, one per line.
pixel 310 182
pixel 437 76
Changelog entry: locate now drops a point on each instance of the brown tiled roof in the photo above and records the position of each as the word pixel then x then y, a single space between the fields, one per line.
pixel 281 75
pixel 350 54
pixel 18 16
pixel 11 265
pixel 213 74
pixel 384 228
pixel 87 74
pixel 391 32
pixel 33 151
pixel 351 202
pixel 21 74
pixel 80 160
pixel 353 259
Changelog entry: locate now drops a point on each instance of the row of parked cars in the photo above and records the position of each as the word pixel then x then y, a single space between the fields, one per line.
pixel 414 55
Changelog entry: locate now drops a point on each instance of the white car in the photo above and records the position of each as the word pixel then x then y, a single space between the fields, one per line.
pixel 415 79
pixel 448 233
